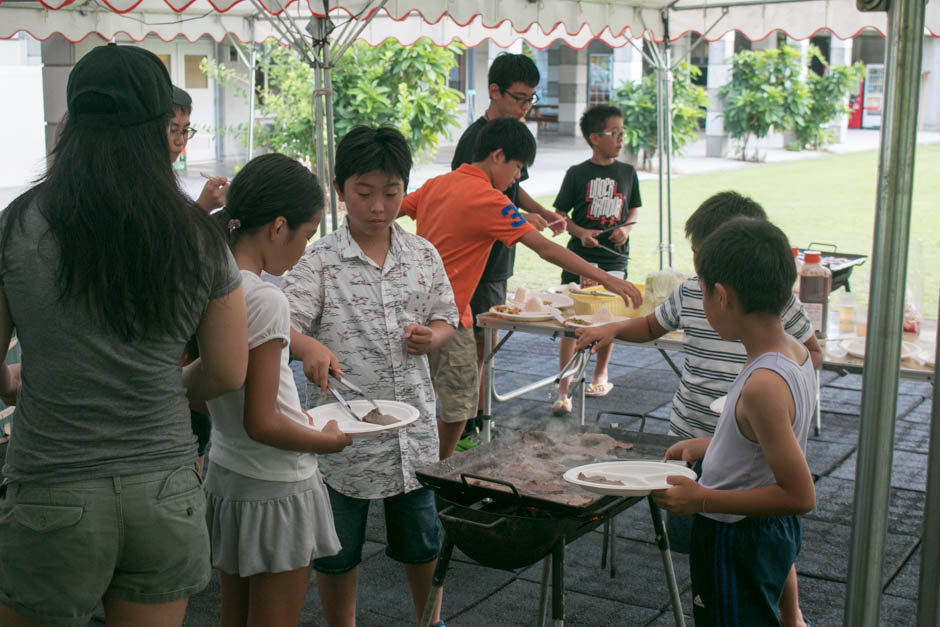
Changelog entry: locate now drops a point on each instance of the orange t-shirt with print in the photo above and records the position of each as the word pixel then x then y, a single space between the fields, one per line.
pixel 462 215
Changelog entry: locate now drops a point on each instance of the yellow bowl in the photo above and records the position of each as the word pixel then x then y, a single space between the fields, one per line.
pixel 587 305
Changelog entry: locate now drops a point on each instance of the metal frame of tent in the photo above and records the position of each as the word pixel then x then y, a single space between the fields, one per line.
pixel 904 33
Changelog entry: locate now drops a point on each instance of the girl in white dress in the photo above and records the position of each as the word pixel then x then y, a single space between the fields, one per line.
pixel 269 514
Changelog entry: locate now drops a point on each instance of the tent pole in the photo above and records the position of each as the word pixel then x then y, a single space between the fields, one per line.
pixel 928 601
pixel 667 130
pixel 251 93
pixel 660 143
pixel 883 343
pixel 330 137
pixel 318 138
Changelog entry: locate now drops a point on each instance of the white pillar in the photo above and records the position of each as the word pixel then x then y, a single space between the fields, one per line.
pixel 572 89
pixel 719 74
pixel 627 65
pixel 840 53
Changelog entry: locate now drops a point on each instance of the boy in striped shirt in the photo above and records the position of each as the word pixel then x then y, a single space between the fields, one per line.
pixel 711 363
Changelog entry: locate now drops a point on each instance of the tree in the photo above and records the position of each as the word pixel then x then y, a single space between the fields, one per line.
pixel 829 93
pixel 637 100
pixel 389 85
pixel 765 92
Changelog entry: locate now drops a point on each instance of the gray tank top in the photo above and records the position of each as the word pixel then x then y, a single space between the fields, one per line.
pixel 732 462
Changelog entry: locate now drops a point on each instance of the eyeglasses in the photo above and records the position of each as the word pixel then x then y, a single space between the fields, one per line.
pixel 522 99
pixel 617 134
pixel 187 133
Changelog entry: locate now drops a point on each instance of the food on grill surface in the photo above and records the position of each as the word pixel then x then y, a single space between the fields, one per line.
pixel 599 479
pixel 507 309
pixel 378 418
pixel 537 464
pixel 534 305
pixel 580 321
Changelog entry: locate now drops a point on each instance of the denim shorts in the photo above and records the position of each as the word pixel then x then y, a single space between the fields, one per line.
pixel 412 529
pixel 140 538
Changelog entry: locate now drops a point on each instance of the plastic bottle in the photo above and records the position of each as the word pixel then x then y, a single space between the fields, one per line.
pixel 815 285
pixel 799 268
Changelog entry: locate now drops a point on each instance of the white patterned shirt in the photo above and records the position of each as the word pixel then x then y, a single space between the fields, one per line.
pixel 360 311
pixel 711 363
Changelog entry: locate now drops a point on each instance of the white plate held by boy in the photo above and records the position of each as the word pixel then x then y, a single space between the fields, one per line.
pixel 322 414
pixel 635 478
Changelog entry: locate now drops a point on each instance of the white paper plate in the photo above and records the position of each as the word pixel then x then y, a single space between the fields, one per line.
pixel 638 477
pixel 856 348
pixel 528 316
pixel 592 319
pixel 356 429
pixel 563 289
pixel 718 405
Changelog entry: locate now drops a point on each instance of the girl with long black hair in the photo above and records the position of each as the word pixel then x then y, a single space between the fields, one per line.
pixel 106 269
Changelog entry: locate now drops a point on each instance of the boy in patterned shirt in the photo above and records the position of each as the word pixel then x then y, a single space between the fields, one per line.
pixel 376 299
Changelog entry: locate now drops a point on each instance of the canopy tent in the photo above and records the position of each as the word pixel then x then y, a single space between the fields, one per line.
pixel 577 21
pixel 540 23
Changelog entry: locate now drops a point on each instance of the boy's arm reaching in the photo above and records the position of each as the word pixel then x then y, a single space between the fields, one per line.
pixel 815 351
pixel 765 414
pixel 567 260
pixel 645 329
pixel 552 220
pixel 318 360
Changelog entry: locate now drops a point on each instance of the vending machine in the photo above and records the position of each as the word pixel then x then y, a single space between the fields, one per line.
pixel 873 101
pixel 855 106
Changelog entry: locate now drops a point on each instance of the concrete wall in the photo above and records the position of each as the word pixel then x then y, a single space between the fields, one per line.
pixel 22 133
pixel 930 86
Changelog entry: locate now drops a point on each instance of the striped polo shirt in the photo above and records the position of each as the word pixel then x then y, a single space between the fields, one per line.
pixel 711 363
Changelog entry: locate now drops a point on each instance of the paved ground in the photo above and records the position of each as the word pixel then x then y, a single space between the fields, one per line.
pixel 636 596
pixel 478 596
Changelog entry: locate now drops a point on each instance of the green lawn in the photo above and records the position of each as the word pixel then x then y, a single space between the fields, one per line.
pixel 829 199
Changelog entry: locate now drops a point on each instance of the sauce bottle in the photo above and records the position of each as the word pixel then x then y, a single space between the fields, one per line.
pixel 799 268
pixel 815 285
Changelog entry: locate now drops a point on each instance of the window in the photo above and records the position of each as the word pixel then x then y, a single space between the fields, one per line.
pixel 194 78
pixel 599 78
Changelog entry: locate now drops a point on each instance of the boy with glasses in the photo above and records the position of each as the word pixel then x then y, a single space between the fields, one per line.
pixel 602 196
pixel 512 81
pixel 179 133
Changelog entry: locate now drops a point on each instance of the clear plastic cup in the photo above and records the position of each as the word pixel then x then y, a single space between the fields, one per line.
pixel 861 320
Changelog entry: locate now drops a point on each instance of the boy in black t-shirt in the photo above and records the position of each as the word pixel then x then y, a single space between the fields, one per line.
pixel 601 196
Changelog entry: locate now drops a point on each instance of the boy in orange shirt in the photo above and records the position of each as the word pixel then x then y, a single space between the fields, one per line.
pixel 503 148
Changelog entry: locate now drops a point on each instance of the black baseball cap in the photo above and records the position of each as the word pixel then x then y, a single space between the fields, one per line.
pixel 181 98
pixel 118 86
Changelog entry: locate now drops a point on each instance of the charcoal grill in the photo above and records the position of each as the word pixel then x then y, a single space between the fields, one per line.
pixel 840 264
pixel 500 519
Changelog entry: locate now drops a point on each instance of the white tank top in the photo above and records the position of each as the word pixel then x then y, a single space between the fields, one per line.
pixel 733 462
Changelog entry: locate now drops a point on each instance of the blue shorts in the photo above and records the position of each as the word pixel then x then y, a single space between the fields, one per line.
pixel 412 529
pixel 738 569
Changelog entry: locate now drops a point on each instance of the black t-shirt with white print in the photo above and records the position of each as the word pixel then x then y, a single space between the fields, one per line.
pixel 599 197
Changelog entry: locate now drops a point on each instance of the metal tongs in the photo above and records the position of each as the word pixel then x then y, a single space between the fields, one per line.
pixel 355 389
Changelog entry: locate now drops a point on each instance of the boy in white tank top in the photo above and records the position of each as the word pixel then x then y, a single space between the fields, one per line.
pixel 755 480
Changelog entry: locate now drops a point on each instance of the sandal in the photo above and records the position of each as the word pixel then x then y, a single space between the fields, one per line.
pixel 598 389
pixel 561 406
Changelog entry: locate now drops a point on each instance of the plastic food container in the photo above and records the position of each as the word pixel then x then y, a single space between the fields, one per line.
pixel 587 305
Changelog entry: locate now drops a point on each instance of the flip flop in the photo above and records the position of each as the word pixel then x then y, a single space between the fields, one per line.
pixel 598 389
pixel 561 406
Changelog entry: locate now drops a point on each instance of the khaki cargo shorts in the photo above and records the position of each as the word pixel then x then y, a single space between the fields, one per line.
pixel 141 538
pixel 455 376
